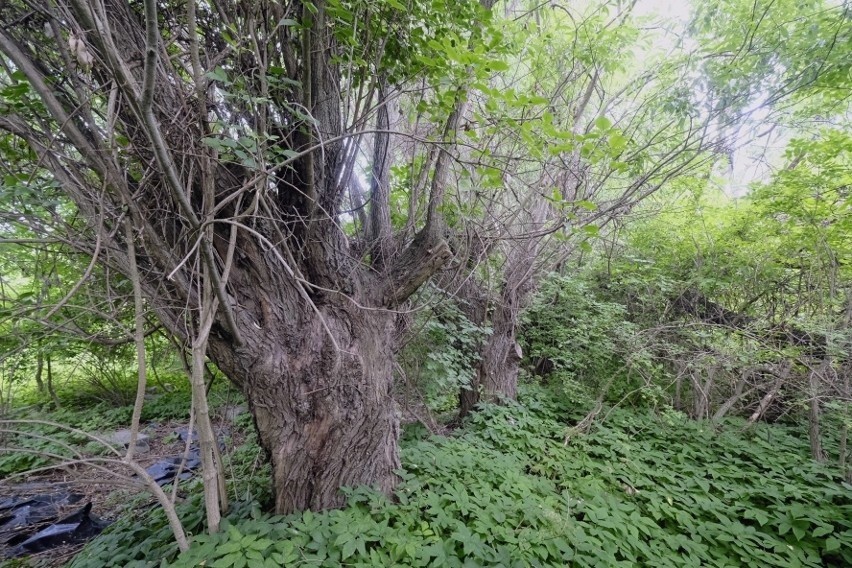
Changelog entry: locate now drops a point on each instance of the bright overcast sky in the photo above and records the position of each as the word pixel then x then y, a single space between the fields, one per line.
pixel 665 8
pixel 753 161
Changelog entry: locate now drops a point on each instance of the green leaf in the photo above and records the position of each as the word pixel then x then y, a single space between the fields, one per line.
pixel 261 544
pixel 617 143
pixel 832 544
pixel 214 143
pixel 228 548
pixel 348 549
pixel 217 74
pixel 556 196
pixel 229 561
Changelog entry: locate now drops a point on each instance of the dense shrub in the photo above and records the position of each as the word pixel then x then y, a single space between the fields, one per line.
pixel 570 335
pixel 441 355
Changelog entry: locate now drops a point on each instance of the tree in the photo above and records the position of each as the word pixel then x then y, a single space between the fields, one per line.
pixel 748 296
pixel 226 134
pixel 611 133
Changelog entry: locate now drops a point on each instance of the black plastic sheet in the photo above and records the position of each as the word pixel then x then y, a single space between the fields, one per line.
pixel 23 520
pixel 18 515
pixel 165 470
pixel 73 529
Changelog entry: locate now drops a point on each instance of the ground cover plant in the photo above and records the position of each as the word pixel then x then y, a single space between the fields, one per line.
pixel 639 489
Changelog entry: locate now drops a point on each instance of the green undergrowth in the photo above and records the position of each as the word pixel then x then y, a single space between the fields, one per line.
pixel 26 445
pixel 506 490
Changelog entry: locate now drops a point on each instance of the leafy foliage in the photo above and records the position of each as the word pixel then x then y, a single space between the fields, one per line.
pixel 441 356
pixel 140 540
pixel 554 107
pixel 640 489
pixel 572 332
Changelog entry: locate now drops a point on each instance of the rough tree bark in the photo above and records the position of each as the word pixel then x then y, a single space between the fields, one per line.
pixel 324 412
pixel 496 373
pixel 815 380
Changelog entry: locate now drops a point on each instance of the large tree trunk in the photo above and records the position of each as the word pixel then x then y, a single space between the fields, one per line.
pixel 496 376
pixel 496 373
pixel 325 417
pixel 501 357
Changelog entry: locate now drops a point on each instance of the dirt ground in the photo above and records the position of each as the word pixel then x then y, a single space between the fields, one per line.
pixel 108 489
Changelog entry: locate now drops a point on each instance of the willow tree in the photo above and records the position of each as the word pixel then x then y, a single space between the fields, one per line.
pixel 227 135
pixel 618 127
pixel 582 133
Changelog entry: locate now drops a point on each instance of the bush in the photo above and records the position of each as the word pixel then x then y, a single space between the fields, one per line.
pixel 572 337
pixel 441 358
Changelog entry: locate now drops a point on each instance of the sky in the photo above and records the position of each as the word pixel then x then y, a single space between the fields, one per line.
pixel 753 160
pixel 675 10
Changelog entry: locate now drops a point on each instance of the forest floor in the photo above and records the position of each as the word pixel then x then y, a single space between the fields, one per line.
pixel 111 492
pixel 515 486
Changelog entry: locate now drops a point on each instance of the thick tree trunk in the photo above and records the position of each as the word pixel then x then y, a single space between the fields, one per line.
pixel 814 414
pixel 500 355
pixel 302 326
pixel 496 375
pixel 501 359
pixel 324 413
